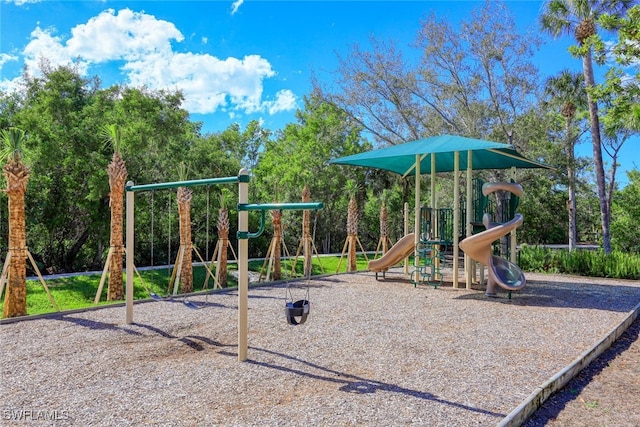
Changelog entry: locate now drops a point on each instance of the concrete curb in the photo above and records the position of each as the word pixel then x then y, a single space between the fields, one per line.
pixel 521 413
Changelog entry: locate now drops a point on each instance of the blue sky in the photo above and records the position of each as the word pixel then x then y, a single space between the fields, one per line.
pixel 235 61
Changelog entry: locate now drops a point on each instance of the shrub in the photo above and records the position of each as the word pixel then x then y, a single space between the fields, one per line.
pixel 594 263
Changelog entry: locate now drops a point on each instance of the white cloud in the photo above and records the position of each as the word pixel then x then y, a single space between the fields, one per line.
pixel 5 57
pixel 8 85
pixel 128 35
pixel 22 2
pixel 285 101
pixel 44 44
pixel 235 6
pixel 143 44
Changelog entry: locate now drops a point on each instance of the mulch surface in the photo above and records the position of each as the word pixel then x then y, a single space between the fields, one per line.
pixel 606 393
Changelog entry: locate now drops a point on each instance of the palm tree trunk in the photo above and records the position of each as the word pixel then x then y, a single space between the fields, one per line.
pixel 222 266
pixel 223 237
pixel 277 246
pixel 306 234
pixel 352 265
pixel 587 64
pixel 115 290
pixel 186 244
pixel 15 302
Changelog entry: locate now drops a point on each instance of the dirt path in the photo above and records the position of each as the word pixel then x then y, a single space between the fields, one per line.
pixel 604 394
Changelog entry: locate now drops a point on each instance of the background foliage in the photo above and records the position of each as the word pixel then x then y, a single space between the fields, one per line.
pixel 478 80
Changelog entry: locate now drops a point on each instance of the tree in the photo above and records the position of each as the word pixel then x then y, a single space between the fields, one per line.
pixel 297 157
pixel 351 190
pixel 223 239
pixel 245 145
pixel 567 91
pixel 579 18
pixel 17 175
pixel 627 50
pixel 64 113
pixel 626 215
pixel 307 239
pixel 185 254
pixel 620 92
pixel 276 221
pixel 474 80
pixel 117 171
pixel 68 161
pixel 208 156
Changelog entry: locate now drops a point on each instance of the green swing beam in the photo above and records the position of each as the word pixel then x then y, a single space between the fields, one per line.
pixel 264 207
pixel 191 183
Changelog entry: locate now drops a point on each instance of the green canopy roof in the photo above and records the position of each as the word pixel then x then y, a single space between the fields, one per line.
pixel 401 158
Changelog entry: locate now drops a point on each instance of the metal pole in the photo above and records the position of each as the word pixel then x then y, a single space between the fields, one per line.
pixel 468 262
pixel 243 265
pixel 406 231
pixel 513 240
pixel 456 215
pixel 416 229
pixel 191 183
pixel 434 204
pixel 129 220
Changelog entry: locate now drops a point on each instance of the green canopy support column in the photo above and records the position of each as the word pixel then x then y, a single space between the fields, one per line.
pixel 416 229
pixel 456 216
pixel 434 205
pixel 406 231
pixel 468 262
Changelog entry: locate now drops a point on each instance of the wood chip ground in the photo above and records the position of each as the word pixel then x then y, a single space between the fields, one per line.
pixel 371 353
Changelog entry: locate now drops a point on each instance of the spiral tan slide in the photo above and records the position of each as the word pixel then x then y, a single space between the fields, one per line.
pixel 502 272
pixel 402 249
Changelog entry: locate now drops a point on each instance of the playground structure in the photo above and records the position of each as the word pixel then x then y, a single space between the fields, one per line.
pixel 243 236
pixel 437 234
pixel 502 272
pixel 443 153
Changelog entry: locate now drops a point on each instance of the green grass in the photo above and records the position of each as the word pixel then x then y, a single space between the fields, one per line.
pixel 78 291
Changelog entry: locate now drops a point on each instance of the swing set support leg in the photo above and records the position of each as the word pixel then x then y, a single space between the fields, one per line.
pixel 344 250
pixel 243 267
pixel 4 276
pixel 177 269
pixel 209 272
pixel 268 262
pixel 213 261
pixel 362 249
pixel 317 256
pixel 105 270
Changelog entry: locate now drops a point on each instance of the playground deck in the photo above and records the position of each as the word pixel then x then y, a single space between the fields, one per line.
pixel 371 353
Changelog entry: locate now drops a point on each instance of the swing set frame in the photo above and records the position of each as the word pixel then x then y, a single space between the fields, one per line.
pixel 243 236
